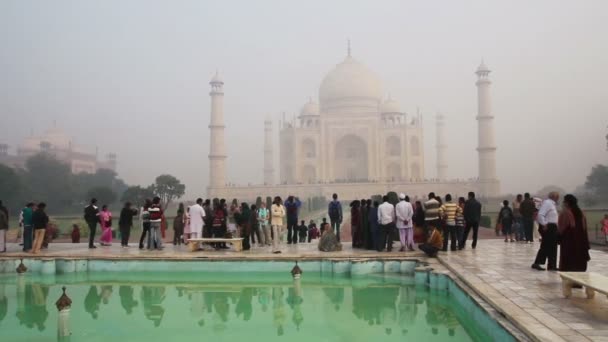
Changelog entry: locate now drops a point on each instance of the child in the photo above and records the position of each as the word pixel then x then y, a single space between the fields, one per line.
pixel 313 231
pixel 433 244
pixel 302 230
pixel 604 224
pixel 75 234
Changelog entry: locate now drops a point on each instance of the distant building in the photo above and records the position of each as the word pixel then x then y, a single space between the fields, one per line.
pixel 58 144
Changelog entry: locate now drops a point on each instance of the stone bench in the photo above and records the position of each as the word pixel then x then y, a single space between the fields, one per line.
pixel 591 281
pixel 195 244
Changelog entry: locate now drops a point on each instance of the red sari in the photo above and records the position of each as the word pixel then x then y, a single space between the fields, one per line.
pixel 574 252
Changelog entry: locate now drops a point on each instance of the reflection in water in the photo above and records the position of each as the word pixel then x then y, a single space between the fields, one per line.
pixel 391 310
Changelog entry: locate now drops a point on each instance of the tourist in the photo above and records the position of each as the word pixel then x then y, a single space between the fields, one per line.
pixel 355 224
pixel 527 209
pixel 91 216
pixel 547 220
pixel 40 221
pixel 156 216
pixel 370 242
pixel 323 222
pixel 313 231
pixel 187 232
pixel 255 227
pixel 329 241
pixel 105 222
pixel 144 218
pixel 241 218
pixel 419 220
pixel 448 211
pixel 404 213
pixel 125 223
pixel 460 221
pixel 472 216
pixel 208 220
pixel 262 216
pixel 574 241
pixel 234 208
pixel 225 217
pixel 364 225
pixel 219 222
pixel 518 226
pixel 3 230
pixel 178 225
pixel 75 233
pixel 334 211
pixel 277 212
pixel 292 205
pixel 28 232
pixel 197 215
pixel 373 224
pixel 433 244
pixel 505 220
pixel 386 219
pixel 431 214
pixel 302 231
pixel 604 224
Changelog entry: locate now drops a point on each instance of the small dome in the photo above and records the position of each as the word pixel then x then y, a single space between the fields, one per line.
pixel 310 108
pixel 390 106
pixel 483 67
pixel 216 79
pixel 57 138
pixel 350 80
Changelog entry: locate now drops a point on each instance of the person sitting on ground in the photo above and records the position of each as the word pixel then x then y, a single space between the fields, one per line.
pixel 313 231
pixel 302 231
pixel 329 242
pixel 433 244
pixel 75 233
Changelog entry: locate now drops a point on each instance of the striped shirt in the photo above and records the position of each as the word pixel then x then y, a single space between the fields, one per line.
pixel 431 210
pixel 449 211
pixel 156 213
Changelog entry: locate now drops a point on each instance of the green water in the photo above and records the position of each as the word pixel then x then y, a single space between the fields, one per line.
pixel 248 307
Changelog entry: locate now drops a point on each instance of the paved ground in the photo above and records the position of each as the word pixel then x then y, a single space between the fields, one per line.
pixel 500 273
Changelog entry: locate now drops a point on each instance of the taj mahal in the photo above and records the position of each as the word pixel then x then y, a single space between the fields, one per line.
pixel 354 141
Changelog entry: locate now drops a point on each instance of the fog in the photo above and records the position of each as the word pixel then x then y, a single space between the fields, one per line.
pixel 132 77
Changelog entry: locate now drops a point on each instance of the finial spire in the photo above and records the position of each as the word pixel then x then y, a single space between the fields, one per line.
pixel 348 47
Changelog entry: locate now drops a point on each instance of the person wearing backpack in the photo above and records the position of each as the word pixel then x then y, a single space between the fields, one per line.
pixel 292 206
pixel 334 211
pixel 505 218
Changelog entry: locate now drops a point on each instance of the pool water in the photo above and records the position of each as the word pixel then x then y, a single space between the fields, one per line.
pixel 230 307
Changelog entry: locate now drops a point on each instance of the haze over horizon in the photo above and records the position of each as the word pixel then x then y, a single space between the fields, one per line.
pixel 133 78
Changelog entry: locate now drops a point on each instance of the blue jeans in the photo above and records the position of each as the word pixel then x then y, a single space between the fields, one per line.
pixel 154 237
pixel 28 237
pixel 518 228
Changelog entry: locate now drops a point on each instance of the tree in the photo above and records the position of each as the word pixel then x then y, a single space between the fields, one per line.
pixel 49 180
pixel 597 182
pixel 137 195
pixel 168 188
pixel 11 188
pixel 103 194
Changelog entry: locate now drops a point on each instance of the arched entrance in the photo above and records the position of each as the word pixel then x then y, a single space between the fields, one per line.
pixel 351 161
pixel 309 174
pixel 393 172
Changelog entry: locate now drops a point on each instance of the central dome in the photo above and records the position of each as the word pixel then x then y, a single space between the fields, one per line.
pixel 350 80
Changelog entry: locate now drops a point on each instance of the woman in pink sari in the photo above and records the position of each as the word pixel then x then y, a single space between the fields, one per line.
pixel 105 219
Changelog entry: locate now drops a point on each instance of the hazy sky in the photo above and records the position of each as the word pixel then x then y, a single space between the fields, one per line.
pixel 132 77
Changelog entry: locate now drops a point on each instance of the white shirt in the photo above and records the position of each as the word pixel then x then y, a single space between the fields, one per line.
pixel 196 217
pixel 386 213
pixel 404 212
pixel 547 213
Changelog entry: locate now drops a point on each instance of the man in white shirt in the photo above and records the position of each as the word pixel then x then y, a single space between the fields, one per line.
pixel 197 214
pixel 386 219
pixel 547 221
pixel 404 212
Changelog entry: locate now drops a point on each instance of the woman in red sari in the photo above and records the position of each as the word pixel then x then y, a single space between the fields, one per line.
pixel 572 226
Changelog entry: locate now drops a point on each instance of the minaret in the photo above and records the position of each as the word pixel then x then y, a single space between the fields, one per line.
pixel 442 164
pixel 486 147
pixel 217 150
pixel 268 153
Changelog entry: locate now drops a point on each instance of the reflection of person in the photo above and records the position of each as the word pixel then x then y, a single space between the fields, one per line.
pixel 278 309
pixel 127 301
pixel 152 298
pixel 572 228
pixel 264 297
pixel 243 306
pixel 92 301
pixel 106 293
pixel 3 303
pixel 407 307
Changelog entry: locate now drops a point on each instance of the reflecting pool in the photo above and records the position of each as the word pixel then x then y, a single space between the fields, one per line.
pixel 229 307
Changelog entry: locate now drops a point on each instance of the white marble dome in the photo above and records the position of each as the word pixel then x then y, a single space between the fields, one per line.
pixel 310 109
pixel 350 80
pixel 390 106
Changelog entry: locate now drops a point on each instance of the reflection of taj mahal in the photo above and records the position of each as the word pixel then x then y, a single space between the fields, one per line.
pixel 355 143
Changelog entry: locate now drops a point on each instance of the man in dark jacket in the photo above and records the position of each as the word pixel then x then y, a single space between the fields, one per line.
pixel 472 216
pixel 527 209
pixel 91 216
pixel 292 206
pixel 125 222
pixel 40 221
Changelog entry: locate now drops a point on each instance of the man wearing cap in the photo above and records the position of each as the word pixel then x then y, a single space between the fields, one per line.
pixel 405 212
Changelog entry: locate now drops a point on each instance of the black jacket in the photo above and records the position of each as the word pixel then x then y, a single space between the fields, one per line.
pixel 40 219
pixel 472 211
pixel 91 214
pixel 126 217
